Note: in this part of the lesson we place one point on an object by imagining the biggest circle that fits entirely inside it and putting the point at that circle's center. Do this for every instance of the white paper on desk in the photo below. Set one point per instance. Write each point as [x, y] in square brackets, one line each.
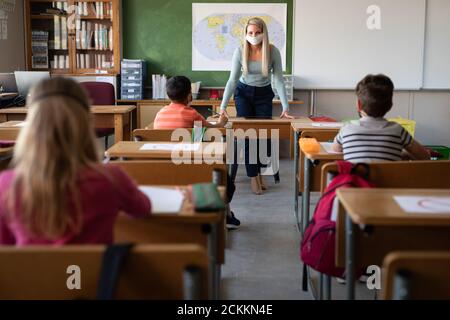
[327, 124]
[164, 200]
[20, 124]
[328, 146]
[170, 147]
[424, 204]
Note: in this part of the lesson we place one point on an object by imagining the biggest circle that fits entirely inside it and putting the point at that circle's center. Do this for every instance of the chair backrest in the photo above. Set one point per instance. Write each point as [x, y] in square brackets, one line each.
[149, 272]
[166, 134]
[148, 172]
[416, 275]
[403, 174]
[101, 93]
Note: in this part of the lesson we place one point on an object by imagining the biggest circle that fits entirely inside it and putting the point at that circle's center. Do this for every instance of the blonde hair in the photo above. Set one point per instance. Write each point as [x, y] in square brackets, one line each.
[265, 46]
[58, 140]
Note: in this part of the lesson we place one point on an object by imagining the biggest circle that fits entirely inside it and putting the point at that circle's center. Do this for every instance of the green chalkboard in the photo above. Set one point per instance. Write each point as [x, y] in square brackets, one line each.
[160, 32]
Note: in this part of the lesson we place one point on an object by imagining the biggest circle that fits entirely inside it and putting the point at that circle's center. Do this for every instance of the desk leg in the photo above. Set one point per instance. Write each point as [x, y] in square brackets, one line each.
[306, 193]
[213, 265]
[234, 166]
[127, 123]
[296, 186]
[118, 128]
[350, 257]
[327, 288]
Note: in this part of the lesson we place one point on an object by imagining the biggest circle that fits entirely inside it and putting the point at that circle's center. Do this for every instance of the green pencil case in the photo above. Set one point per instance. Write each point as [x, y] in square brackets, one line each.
[206, 197]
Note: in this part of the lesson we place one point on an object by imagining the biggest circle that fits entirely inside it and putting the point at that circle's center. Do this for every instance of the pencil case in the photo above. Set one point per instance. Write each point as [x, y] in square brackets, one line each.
[309, 145]
[206, 197]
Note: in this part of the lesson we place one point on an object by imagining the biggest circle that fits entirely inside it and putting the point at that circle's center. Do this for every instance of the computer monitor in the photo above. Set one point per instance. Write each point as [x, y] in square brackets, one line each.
[26, 79]
[8, 83]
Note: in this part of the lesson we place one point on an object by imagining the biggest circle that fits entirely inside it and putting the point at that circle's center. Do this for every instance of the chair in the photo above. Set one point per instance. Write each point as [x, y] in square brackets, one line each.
[149, 172]
[158, 271]
[101, 93]
[412, 275]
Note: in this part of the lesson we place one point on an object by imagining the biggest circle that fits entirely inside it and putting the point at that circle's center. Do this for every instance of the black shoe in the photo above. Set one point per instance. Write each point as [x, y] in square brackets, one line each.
[232, 222]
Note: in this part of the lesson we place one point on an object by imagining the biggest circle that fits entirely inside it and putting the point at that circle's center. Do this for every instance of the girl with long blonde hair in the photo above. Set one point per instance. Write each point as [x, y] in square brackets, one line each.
[57, 191]
[252, 66]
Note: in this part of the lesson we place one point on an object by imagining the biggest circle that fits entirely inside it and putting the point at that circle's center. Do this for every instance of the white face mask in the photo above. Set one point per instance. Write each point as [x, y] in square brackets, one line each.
[254, 40]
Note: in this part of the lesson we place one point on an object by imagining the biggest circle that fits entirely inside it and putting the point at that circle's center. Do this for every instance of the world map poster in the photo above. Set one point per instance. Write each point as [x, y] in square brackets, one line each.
[218, 29]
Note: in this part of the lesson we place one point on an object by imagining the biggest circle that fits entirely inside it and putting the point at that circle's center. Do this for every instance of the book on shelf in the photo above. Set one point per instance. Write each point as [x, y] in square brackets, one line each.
[64, 37]
[39, 49]
[57, 29]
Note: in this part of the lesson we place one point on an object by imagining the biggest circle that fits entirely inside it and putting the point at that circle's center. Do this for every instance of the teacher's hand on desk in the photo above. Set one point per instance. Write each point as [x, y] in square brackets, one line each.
[286, 115]
[223, 112]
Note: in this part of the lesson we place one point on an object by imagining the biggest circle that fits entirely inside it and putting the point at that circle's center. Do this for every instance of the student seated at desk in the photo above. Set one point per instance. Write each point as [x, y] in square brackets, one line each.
[180, 115]
[58, 192]
[374, 138]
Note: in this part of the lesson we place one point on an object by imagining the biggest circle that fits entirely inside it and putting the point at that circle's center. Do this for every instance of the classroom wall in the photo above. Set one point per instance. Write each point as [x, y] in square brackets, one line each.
[12, 50]
[430, 110]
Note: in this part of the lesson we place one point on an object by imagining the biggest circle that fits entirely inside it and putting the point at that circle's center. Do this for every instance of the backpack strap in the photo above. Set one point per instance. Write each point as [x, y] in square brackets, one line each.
[344, 167]
[365, 174]
[112, 262]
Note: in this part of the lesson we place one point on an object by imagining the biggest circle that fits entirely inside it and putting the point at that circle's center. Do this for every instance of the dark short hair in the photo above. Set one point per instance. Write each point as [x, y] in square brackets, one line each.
[375, 93]
[178, 88]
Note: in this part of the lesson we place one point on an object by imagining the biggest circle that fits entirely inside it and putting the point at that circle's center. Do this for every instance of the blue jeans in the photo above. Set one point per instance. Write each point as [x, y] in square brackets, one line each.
[253, 102]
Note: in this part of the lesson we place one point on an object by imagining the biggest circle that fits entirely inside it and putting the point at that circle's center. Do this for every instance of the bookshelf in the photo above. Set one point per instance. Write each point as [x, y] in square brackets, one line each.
[76, 37]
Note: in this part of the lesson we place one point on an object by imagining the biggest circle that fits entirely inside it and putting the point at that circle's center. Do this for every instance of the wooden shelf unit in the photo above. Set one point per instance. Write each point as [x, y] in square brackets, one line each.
[96, 61]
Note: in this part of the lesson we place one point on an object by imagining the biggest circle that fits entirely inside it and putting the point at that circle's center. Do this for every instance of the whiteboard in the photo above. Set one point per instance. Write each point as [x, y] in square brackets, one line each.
[334, 49]
[437, 45]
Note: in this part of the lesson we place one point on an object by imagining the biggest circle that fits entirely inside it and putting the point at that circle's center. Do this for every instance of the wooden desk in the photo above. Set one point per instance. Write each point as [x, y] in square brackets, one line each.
[117, 117]
[131, 149]
[313, 162]
[189, 226]
[374, 225]
[147, 108]
[282, 125]
[297, 129]
[9, 130]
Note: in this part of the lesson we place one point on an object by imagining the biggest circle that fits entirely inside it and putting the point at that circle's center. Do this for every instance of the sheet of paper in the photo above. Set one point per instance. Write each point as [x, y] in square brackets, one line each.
[423, 204]
[20, 124]
[328, 146]
[327, 124]
[170, 147]
[164, 200]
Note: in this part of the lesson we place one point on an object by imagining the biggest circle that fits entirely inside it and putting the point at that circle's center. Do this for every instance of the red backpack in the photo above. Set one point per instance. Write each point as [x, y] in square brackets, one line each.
[318, 245]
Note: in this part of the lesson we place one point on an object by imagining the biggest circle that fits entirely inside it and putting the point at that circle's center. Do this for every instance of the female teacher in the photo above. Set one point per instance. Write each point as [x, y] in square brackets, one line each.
[257, 60]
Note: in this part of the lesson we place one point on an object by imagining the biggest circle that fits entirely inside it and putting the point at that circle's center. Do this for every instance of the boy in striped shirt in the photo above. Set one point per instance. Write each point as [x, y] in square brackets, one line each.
[373, 138]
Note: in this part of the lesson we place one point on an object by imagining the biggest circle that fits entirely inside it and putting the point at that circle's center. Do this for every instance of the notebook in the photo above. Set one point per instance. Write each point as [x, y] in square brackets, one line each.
[164, 200]
[170, 147]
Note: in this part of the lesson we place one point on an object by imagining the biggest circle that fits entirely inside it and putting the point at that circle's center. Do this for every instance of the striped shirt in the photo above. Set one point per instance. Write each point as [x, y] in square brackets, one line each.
[373, 139]
[177, 115]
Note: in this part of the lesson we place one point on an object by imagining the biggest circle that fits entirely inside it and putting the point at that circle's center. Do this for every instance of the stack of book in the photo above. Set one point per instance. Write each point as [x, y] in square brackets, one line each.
[100, 10]
[39, 49]
[94, 61]
[94, 36]
[159, 86]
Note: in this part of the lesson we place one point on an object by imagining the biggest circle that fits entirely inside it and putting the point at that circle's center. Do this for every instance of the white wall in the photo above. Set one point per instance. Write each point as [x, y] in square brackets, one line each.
[430, 110]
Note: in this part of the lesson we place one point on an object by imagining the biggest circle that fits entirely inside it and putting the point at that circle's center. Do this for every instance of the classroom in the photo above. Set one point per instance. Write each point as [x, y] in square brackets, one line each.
[263, 150]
